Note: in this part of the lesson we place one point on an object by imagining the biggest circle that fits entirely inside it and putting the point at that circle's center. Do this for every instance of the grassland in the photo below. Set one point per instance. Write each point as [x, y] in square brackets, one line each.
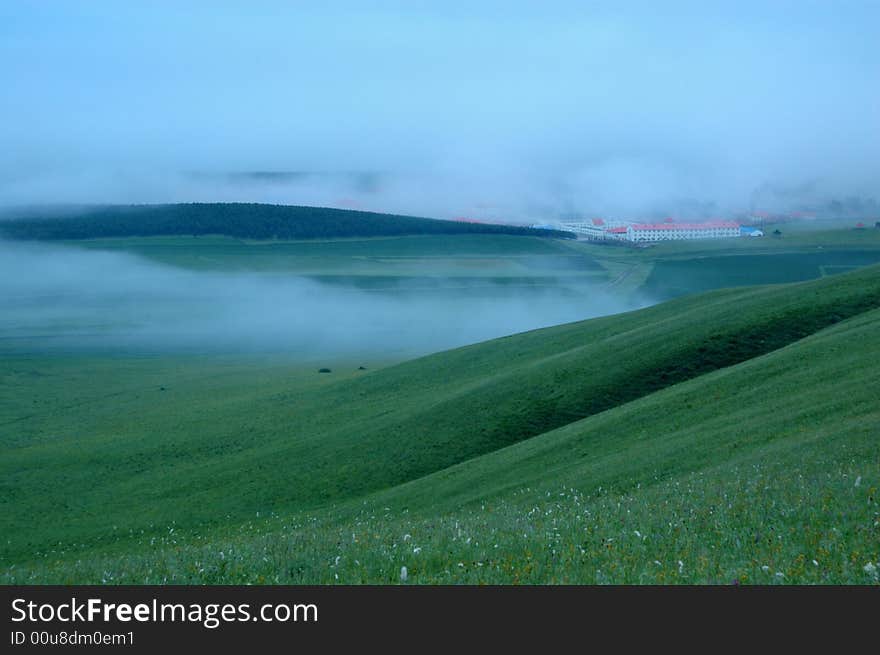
[422, 263]
[431, 262]
[720, 437]
[803, 251]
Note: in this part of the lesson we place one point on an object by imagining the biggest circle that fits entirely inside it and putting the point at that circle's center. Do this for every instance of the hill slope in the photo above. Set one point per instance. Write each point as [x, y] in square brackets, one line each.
[241, 220]
[278, 448]
[766, 472]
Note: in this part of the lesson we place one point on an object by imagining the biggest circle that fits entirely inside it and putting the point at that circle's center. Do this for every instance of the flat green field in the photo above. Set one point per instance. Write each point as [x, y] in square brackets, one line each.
[418, 256]
[674, 277]
[432, 263]
[802, 252]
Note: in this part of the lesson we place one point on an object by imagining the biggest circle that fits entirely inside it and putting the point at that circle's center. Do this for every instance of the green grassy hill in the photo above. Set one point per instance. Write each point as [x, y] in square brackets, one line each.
[730, 427]
[242, 220]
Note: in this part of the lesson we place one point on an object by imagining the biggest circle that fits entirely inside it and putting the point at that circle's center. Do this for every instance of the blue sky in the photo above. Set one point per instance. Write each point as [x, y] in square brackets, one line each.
[521, 108]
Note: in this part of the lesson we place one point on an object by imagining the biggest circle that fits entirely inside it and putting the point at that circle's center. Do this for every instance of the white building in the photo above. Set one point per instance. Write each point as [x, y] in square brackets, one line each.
[594, 228]
[640, 232]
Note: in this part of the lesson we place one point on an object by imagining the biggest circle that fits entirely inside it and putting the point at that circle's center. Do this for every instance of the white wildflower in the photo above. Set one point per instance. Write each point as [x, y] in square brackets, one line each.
[870, 568]
[858, 481]
[403, 574]
[417, 550]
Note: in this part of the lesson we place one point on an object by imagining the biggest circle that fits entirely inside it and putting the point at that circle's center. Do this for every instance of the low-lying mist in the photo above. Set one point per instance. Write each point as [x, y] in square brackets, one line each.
[514, 111]
[59, 296]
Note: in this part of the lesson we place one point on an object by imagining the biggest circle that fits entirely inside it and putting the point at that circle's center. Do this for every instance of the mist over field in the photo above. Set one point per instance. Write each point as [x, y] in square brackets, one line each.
[506, 110]
[80, 298]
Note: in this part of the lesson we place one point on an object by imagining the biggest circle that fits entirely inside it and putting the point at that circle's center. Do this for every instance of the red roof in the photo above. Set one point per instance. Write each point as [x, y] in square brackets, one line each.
[617, 230]
[598, 221]
[708, 225]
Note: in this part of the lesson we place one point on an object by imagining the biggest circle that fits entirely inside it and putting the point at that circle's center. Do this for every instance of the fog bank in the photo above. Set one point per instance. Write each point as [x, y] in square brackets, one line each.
[78, 298]
[497, 110]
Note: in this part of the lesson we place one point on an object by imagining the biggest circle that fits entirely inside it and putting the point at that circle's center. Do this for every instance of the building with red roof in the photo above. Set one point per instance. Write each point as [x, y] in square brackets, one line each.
[670, 231]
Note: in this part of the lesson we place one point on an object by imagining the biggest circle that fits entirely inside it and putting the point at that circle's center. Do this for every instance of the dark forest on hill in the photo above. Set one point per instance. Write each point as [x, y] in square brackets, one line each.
[241, 220]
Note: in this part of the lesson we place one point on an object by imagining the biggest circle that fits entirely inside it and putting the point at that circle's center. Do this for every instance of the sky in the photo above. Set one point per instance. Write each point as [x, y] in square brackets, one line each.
[501, 110]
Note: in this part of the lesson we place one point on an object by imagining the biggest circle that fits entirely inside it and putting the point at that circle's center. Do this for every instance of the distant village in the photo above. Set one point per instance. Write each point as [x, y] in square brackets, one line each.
[672, 229]
[645, 232]
[599, 229]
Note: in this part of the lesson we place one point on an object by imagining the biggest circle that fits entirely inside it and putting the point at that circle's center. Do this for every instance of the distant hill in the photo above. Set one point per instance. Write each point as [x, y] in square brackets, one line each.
[241, 220]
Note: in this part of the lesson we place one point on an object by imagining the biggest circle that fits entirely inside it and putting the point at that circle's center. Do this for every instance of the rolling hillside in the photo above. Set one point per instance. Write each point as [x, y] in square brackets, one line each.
[241, 220]
[723, 423]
